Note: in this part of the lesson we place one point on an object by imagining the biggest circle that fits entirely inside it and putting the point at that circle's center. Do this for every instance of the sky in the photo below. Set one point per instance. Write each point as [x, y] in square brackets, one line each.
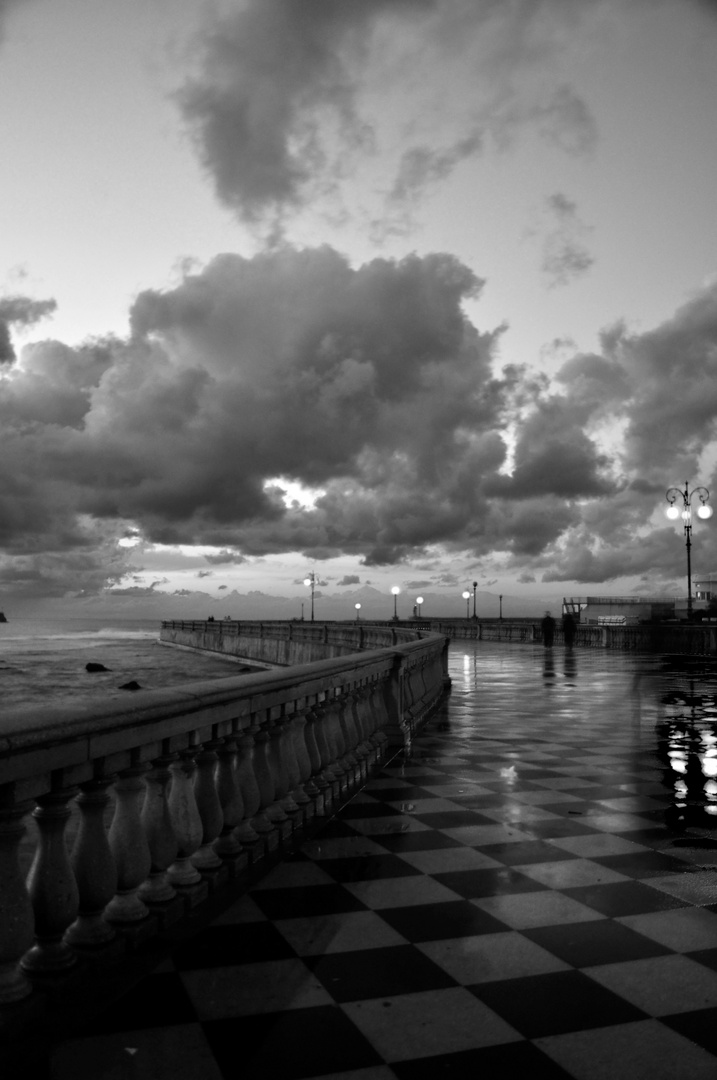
[411, 293]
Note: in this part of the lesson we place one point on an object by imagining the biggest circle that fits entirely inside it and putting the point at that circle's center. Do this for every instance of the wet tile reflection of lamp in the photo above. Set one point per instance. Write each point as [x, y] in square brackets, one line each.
[673, 512]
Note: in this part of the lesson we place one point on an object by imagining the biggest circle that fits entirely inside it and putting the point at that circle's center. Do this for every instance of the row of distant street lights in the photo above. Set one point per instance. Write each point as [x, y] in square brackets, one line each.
[310, 582]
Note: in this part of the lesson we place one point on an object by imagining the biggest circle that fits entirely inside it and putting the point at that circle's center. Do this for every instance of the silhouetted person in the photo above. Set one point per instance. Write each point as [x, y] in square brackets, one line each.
[548, 627]
[569, 629]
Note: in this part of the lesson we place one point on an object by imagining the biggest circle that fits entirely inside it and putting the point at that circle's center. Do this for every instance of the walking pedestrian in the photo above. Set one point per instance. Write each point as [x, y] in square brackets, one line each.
[570, 629]
[548, 627]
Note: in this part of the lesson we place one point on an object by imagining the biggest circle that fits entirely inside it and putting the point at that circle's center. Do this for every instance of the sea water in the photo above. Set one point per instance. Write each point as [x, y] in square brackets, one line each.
[44, 661]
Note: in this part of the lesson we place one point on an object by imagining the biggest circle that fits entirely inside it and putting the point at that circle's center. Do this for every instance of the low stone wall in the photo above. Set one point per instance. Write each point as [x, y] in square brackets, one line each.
[183, 790]
[672, 638]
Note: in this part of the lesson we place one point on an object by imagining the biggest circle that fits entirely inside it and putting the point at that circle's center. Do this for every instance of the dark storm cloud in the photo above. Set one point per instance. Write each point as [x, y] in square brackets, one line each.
[349, 579]
[368, 384]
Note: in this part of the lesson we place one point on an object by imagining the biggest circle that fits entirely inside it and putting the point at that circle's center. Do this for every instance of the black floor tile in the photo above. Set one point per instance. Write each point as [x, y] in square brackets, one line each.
[431, 922]
[527, 851]
[399, 794]
[454, 819]
[225, 946]
[570, 825]
[289, 1045]
[700, 1026]
[399, 969]
[519, 1059]
[556, 1003]
[368, 868]
[643, 864]
[708, 957]
[601, 941]
[310, 900]
[425, 840]
[495, 882]
[367, 809]
[624, 898]
[156, 1001]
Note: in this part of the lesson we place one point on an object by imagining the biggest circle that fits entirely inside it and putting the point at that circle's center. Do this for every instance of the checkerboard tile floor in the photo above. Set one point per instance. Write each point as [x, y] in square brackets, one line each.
[506, 900]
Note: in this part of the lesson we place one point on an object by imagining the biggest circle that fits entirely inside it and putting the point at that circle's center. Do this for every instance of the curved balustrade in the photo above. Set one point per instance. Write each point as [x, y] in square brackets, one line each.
[184, 789]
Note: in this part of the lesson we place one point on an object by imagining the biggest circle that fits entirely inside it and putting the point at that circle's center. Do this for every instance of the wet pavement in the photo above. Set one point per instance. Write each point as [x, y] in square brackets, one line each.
[533, 889]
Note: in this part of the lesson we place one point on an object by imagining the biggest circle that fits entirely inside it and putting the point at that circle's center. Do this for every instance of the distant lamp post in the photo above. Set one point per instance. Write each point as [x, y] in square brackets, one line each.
[684, 510]
[358, 611]
[310, 579]
[395, 590]
[500, 601]
[466, 596]
[419, 601]
[475, 586]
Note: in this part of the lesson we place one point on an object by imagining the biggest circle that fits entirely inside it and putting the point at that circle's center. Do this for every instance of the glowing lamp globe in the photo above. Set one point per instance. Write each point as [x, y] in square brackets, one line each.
[704, 512]
[395, 590]
[466, 595]
[672, 512]
[307, 581]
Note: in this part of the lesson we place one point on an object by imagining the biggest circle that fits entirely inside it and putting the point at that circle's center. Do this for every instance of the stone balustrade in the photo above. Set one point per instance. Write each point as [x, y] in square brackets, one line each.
[141, 809]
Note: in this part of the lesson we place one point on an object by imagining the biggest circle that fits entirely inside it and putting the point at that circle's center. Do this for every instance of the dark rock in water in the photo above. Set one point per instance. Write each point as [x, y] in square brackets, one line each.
[96, 667]
[133, 685]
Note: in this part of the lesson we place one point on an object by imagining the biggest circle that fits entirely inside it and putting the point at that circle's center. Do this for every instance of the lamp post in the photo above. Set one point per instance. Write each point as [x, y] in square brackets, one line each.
[395, 590]
[419, 601]
[673, 512]
[310, 579]
[475, 586]
[358, 611]
[500, 602]
[466, 596]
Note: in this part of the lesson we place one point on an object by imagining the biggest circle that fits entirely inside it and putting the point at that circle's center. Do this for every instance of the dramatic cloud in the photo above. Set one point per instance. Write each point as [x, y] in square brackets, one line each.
[565, 254]
[283, 95]
[19, 311]
[369, 389]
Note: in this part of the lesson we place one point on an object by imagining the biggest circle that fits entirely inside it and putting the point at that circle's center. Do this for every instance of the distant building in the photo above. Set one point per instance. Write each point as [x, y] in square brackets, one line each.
[621, 610]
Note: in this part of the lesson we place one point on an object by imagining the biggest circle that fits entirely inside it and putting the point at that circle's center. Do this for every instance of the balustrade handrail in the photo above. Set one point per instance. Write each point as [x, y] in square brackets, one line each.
[199, 781]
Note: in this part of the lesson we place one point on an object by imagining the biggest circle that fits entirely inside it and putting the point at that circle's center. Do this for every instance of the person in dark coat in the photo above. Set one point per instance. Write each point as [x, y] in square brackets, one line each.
[570, 629]
[548, 627]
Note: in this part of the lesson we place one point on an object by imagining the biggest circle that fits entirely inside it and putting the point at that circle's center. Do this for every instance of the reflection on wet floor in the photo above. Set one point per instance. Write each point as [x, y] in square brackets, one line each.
[527, 892]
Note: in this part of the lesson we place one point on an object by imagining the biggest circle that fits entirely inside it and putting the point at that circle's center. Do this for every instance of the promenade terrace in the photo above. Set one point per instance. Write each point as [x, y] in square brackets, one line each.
[525, 884]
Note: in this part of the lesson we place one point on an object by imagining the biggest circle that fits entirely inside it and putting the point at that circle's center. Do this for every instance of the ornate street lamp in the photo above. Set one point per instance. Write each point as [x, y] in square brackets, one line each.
[500, 602]
[466, 596]
[475, 586]
[673, 512]
[395, 590]
[358, 611]
[310, 579]
[419, 601]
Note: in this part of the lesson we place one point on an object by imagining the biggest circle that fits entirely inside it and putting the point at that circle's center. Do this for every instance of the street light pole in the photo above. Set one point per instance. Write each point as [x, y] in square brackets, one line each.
[500, 601]
[395, 590]
[475, 586]
[466, 597]
[310, 579]
[673, 512]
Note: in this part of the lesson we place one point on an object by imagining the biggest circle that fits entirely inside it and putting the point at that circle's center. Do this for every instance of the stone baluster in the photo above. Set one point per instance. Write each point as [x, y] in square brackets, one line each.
[186, 821]
[327, 747]
[94, 868]
[209, 806]
[229, 793]
[300, 765]
[378, 712]
[251, 796]
[284, 749]
[330, 720]
[129, 847]
[159, 830]
[263, 822]
[363, 749]
[281, 806]
[349, 738]
[316, 786]
[368, 722]
[17, 923]
[52, 887]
